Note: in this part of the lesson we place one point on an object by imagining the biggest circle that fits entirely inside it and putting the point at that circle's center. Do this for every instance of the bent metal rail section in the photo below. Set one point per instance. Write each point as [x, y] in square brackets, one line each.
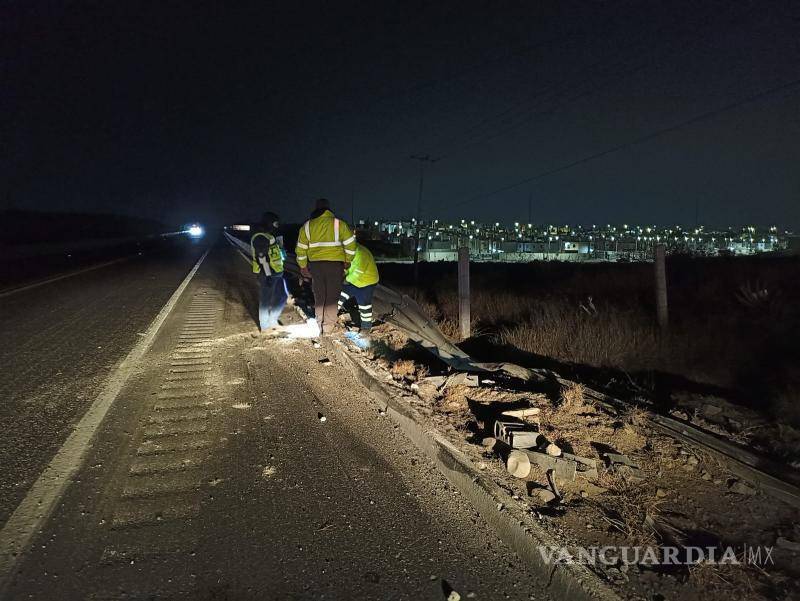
[401, 311]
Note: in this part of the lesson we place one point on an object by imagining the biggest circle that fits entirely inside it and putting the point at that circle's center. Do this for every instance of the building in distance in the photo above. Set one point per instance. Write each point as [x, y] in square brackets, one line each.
[522, 242]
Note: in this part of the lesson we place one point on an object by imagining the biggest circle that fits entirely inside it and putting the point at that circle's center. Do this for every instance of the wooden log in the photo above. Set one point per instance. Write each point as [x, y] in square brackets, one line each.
[520, 462]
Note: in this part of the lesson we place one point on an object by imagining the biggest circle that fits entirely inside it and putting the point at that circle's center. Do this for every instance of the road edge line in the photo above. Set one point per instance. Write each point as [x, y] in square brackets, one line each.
[523, 536]
[35, 509]
[63, 276]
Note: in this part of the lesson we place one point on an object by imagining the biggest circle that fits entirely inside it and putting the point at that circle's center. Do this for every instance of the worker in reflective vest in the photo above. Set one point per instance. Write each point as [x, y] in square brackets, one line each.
[360, 282]
[267, 262]
[325, 248]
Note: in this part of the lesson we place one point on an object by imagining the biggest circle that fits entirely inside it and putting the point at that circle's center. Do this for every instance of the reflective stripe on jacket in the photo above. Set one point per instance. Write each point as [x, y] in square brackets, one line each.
[363, 271]
[273, 257]
[325, 238]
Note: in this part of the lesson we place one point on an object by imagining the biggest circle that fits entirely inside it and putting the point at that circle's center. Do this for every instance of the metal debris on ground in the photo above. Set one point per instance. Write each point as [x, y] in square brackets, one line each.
[544, 495]
[551, 479]
[459, 379]
[740, 487]
[789, 545]
[586, 467]
[623, 465]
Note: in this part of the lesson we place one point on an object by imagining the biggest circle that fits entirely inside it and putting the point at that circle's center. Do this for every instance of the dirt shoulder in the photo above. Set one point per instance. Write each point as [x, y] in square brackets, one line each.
[670, 496]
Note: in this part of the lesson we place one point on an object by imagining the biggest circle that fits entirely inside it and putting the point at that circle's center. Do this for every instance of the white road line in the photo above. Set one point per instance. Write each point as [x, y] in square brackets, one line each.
[63, 276]
[37, 506]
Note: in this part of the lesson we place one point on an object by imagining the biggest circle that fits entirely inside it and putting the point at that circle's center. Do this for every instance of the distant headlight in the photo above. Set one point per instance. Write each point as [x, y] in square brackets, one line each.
[196, 231]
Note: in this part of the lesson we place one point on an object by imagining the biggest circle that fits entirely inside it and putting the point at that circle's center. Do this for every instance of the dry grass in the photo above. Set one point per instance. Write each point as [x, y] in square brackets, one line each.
[404, 368]
[635, 416]
[630, 507]
[722, 582]
[573, 400]
[544, 309]
[574, 422]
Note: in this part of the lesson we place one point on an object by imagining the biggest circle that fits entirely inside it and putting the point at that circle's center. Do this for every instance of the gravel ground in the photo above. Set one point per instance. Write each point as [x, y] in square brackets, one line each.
[273, 501]
[57, 344]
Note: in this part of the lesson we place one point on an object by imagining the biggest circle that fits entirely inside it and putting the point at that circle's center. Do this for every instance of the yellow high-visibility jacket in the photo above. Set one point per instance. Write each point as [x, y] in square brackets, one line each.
[325, 238]
[273, 254]
[362, 271]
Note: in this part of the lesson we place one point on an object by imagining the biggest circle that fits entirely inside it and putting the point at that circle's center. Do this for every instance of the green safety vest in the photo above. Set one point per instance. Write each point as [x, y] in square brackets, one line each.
[363, 271]
[274, 254]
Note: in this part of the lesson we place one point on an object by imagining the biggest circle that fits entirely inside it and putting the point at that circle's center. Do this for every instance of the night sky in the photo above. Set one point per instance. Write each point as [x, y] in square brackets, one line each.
[218, 111]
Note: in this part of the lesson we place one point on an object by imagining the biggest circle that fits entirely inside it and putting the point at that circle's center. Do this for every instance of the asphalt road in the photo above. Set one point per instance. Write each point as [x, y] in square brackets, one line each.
[57, 343]
[215, 476]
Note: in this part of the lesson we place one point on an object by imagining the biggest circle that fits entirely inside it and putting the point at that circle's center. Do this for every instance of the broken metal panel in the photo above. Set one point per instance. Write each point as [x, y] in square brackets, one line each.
[460, 378]
[404, 312]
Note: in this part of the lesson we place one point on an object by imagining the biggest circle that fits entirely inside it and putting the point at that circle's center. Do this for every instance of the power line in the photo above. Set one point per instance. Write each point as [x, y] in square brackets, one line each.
[641, 140]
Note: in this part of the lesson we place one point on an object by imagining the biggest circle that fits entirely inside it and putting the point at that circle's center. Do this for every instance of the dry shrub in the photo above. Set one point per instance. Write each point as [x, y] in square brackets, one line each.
[572, 420]
[393, 338]
[712, 339]
[404, 368]
[454, 401]
[610, 339]
[722, 582]
[630, 507]
[573, 399]
[635, 416]
[450, 328]
[577, 423]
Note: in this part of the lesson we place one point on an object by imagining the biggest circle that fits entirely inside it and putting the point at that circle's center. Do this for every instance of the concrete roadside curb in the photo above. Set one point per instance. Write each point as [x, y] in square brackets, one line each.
[513, 525]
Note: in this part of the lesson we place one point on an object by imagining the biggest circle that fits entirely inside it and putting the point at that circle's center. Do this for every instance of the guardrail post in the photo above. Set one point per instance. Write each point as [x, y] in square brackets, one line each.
[463, 292]
[661, 287]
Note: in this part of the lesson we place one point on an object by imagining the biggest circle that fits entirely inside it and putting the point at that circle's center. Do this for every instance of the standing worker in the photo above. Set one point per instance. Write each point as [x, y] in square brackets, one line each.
[325, 248]
[361, 279]
[267, 259]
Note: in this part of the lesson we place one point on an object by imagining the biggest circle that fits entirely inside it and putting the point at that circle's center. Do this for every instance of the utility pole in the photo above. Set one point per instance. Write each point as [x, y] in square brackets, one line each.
[422, 158]
[353, 206]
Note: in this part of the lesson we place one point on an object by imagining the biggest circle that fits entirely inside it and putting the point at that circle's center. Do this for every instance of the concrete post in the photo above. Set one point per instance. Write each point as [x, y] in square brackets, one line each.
[661, 287]
[463, 292]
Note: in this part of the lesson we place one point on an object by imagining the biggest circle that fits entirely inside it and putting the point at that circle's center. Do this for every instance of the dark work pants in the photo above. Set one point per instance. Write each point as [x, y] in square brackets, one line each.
[272, 297]
[363, 298]
[326, 282]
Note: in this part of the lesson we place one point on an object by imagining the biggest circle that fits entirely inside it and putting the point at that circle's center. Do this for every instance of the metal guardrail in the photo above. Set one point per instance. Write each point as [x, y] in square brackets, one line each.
[404, 313]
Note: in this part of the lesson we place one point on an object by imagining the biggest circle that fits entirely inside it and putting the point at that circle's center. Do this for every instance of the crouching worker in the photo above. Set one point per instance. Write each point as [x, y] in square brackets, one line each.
[361, 278]
[267, 256]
